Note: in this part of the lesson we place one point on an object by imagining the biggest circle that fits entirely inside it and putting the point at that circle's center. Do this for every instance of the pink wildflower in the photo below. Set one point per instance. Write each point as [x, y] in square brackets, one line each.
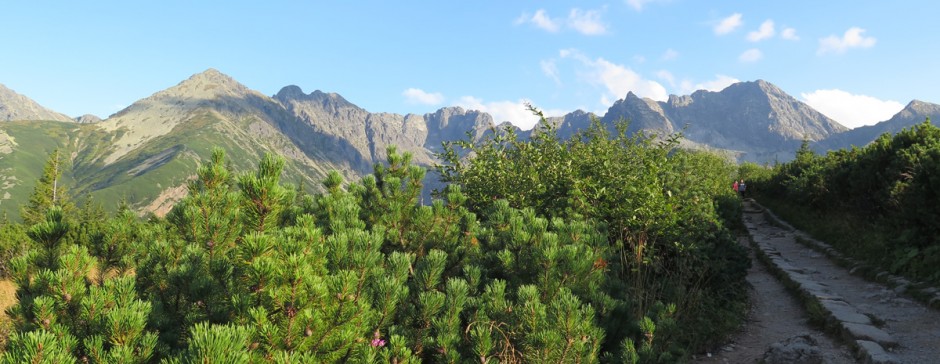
[377, 341]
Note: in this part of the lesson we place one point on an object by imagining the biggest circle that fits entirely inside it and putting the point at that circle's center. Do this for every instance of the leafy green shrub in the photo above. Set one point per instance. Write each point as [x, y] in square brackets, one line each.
[879, 202]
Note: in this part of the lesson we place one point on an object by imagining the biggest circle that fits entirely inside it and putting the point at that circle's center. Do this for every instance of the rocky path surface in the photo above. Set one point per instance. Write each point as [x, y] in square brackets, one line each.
[775, 317]
[866, 322]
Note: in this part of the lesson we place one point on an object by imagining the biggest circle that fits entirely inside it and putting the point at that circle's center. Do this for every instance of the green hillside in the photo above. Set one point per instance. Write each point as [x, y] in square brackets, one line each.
[159, 169]
[30, 144]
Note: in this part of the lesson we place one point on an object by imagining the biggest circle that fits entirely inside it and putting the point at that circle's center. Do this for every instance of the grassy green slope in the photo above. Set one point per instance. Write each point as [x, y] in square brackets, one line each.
[22, 166]
[155, 168]
[171, 160]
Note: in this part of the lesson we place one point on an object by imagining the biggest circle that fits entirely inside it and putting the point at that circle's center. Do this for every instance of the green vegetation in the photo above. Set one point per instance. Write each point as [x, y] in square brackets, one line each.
[597, 249]
[879, 203]
[161, 164]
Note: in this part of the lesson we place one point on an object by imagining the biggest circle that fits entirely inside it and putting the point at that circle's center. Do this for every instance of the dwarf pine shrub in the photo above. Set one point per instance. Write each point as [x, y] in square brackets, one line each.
[247, 270]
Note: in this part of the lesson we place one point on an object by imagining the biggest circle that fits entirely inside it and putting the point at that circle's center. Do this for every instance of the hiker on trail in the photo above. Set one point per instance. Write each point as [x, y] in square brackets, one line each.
[741, 188]
[735, 187]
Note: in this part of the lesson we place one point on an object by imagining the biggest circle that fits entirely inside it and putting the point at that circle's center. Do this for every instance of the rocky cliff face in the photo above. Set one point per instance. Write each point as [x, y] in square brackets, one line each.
[453, 123]
[327, 120]
[14, 106]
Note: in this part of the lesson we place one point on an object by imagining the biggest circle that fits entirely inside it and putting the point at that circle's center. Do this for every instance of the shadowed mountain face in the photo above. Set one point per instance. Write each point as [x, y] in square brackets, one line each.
[149, 151]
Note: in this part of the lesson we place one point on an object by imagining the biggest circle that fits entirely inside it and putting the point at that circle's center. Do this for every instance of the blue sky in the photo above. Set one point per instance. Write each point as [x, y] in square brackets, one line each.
[857, 61]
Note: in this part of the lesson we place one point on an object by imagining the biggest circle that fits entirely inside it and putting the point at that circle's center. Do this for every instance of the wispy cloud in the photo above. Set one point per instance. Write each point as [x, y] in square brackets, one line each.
[541, 20]
[720, 82]
[789, 34]
[616, 79]
[850, 109]
[419, 96]
[638, 4]
[670, 54]
[666, 76]
[751, 55]
[550, 69]
[765, 31]
[587, 22]
[728, 25]
[853, 38]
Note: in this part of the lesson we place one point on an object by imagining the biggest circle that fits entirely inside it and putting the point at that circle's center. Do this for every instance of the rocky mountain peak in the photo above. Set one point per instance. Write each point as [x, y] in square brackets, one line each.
[290, 92]
[14, 106]
[331, 101]
[209, 84]
[87, 119]
[158, 114]
[921, 107]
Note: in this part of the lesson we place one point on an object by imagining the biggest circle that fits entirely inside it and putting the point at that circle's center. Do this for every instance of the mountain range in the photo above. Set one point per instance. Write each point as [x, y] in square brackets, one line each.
[146, 153]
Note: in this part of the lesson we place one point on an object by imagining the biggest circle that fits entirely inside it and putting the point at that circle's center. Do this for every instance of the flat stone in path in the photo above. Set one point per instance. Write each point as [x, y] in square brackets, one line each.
[870, 333]
[874, 353]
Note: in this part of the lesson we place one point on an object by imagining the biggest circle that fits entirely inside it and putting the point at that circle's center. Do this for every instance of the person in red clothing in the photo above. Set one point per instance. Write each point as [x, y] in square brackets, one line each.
[735, 187]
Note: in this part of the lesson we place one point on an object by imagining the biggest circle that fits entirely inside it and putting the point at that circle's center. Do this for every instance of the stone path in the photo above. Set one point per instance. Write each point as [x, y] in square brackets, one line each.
[774, 316]
[882, 325]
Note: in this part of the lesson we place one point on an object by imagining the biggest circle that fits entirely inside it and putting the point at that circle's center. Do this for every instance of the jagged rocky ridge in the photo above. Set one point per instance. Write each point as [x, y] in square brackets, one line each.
[756, 121]
[146, 151]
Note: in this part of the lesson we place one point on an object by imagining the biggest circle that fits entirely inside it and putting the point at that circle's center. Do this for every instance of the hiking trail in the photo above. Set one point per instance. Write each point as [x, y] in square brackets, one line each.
[863, 321]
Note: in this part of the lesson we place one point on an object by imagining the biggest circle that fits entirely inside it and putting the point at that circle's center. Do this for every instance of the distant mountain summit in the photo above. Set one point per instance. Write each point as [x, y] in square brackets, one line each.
[914, 113]
[14, 106]
[755, 120]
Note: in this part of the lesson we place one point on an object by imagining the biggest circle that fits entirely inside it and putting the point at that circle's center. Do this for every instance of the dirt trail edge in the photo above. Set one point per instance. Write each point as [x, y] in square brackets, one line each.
[881, 325]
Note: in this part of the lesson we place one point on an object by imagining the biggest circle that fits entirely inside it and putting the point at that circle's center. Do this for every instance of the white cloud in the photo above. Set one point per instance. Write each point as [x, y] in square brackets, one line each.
[616, 79]
[514, 112]
[849, 109]
[587, 22]
[751, 55]
[852, 38]
[789, 34]
[550, 69]
[765, 31]
[419, 96]
[728, 25]
[670, 54]
[541, 20]
[720, 82]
